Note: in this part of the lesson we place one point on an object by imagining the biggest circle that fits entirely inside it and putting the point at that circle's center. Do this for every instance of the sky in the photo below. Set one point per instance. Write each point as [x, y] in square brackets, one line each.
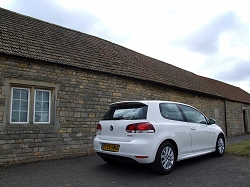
[209, 38]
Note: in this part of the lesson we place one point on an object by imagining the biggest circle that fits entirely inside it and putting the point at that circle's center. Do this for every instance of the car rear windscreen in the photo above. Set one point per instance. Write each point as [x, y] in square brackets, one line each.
[127, 112]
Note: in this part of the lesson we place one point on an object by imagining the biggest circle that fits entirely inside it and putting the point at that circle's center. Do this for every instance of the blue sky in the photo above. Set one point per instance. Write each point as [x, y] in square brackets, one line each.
[208, 38]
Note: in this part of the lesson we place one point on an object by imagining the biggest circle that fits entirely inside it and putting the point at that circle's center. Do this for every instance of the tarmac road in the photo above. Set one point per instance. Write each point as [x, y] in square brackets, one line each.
[92, 171]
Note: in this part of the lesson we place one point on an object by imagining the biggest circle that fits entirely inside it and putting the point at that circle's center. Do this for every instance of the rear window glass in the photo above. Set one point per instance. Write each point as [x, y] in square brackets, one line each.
[128, 112]
[171, 111]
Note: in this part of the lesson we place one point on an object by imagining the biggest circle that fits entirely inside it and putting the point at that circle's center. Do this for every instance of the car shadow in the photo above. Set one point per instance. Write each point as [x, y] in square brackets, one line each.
[127, 168]
[194, 161]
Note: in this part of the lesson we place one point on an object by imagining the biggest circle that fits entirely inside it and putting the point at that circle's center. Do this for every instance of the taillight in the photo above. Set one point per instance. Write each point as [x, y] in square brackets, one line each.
[140, 128]
[99, 127]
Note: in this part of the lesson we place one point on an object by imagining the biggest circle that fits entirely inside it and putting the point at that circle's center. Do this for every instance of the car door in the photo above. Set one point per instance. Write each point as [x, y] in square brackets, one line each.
[177, 127]
[202, 133]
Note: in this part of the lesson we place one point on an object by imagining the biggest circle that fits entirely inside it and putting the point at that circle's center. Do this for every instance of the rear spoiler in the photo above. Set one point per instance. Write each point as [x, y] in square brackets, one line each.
[124, 103]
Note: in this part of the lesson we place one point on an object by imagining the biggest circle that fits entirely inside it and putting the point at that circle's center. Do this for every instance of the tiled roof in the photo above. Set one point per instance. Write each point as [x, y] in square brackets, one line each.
[24, 36]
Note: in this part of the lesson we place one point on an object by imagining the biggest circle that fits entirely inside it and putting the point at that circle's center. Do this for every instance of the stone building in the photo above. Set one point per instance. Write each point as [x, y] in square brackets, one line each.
[56, 84]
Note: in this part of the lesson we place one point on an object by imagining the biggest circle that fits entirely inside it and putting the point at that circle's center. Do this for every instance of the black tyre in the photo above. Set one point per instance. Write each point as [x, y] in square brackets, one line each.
[165, 159]
[110, 161]
[220, 146]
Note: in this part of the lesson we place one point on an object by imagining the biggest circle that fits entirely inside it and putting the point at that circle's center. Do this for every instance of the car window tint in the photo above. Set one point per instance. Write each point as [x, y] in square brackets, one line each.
[170, 111]
[193, 115]
[126, 112]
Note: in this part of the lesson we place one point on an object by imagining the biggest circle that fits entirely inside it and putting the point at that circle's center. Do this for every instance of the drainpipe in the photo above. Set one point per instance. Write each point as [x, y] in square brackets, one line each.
[225, 111]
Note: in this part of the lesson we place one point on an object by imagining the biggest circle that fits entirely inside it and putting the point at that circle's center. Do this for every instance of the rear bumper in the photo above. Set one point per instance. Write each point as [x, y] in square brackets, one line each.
[138, 150]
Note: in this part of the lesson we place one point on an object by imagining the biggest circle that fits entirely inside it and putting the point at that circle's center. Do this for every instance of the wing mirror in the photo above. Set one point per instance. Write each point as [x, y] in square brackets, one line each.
[212, 121]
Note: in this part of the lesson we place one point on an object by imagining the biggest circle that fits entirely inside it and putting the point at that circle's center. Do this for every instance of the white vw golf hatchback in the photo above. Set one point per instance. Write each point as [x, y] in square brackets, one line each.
[157, 133]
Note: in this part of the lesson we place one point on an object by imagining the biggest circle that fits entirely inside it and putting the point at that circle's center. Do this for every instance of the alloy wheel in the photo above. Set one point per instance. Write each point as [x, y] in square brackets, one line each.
[167, 157]
[221, 145]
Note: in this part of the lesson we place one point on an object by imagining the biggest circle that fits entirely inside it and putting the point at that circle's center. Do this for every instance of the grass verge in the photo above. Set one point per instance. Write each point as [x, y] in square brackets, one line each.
[239, 149]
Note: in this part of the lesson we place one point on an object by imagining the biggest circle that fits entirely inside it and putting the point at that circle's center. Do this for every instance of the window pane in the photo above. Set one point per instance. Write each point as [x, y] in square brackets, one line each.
[127, 112]
[193, 115]
[45, 106]
[16, 93]
[23, 116]
[24, 105]
[38, 117]
[24, 94]
[45, 116]
[15, 104]
[170, 111]
[38, 95]
[38, 106]
[15, 116]
[45, 96]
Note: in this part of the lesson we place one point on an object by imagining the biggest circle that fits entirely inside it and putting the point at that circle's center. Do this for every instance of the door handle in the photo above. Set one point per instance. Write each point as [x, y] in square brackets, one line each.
[192, 128]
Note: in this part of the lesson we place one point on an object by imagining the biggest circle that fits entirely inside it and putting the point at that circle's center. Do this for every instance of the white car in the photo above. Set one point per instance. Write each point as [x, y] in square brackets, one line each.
[157, 133]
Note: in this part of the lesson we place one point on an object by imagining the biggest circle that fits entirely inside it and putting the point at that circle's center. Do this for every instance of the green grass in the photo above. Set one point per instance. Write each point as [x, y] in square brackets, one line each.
[239, 149]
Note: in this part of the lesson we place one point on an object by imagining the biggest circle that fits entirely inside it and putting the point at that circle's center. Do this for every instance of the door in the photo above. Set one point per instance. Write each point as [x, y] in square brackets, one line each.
[203, 137]
[245, 121]
[202, 134]
[179, 127]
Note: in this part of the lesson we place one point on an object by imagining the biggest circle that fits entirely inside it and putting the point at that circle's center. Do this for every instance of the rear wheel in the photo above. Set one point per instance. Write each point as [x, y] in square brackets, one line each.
[165, 159]
[220, 146]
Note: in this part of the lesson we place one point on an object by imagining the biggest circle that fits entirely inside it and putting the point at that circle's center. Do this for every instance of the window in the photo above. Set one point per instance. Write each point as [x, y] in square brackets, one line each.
[170, 111]
[193, 115]
[30, 105]
[42, 106]
[20, 105]
[128, 112]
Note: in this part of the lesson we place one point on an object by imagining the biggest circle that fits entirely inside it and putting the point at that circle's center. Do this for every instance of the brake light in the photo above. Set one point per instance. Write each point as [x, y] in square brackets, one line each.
[99, 127]
[145, 127]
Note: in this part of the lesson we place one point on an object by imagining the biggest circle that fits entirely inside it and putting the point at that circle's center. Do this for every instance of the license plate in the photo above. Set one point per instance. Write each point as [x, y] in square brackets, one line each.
[110, 147]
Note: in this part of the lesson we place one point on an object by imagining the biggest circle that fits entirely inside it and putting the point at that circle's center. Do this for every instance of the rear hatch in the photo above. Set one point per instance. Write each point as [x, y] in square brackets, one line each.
[119, 116]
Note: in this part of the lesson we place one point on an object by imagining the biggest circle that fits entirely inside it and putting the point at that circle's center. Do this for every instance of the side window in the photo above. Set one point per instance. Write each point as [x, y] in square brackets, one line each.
[170, 111]
[193, 115]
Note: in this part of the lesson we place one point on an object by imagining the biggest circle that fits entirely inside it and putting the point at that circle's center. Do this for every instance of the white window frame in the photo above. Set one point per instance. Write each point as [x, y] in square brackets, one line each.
[28, 109]
[31, 110]
[34, 109]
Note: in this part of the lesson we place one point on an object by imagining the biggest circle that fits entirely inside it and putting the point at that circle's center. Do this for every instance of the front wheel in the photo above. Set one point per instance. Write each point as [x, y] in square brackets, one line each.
[165, 159]
[220, 146]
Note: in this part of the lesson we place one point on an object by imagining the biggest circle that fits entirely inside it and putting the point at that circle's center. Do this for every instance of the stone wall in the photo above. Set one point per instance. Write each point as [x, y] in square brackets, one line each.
[79, 100]
[235, 122]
